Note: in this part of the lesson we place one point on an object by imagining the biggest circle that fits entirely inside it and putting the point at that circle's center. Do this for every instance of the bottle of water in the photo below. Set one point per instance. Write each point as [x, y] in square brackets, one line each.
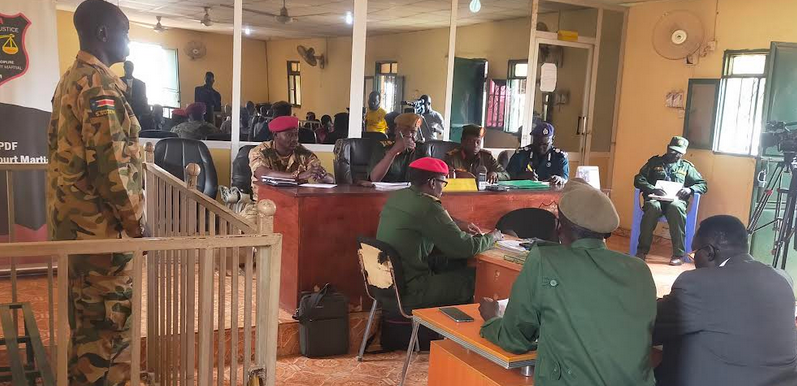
[481, 177]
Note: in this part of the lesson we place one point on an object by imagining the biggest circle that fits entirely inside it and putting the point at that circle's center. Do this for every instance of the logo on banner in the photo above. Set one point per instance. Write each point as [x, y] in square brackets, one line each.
[13, 55]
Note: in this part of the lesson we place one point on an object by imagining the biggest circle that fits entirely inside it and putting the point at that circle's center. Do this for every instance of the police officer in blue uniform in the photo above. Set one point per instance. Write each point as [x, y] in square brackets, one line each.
[540, 161]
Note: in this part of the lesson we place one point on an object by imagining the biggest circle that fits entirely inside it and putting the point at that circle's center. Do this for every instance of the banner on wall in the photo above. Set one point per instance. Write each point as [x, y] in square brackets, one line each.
[28, 77]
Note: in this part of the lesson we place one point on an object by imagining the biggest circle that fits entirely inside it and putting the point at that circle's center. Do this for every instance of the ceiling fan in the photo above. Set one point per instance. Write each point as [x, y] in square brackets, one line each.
[283, 17]
[206, 20]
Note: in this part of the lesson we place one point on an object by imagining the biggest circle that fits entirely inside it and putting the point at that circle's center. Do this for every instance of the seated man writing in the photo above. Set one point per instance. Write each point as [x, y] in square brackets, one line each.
[283, 157]
[731, 320]
[390, 159]
[468, 158]
[589, 311]
[668, 167]
[414, 222]
[540, 161]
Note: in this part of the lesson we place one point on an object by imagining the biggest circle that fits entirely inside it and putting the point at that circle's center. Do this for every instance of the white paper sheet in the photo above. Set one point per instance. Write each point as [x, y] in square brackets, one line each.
[670, 187]
[318, 186]
[391, 185]
[502, 307]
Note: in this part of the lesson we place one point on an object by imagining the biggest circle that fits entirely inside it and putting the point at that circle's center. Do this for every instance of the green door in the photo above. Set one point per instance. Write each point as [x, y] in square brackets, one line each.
[780, 104]
[468, 94]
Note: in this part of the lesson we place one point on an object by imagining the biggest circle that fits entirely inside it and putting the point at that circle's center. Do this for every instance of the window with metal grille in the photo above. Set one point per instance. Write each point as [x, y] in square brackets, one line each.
[741, 104]
[516, 96]
[294, 83]
[389, 85]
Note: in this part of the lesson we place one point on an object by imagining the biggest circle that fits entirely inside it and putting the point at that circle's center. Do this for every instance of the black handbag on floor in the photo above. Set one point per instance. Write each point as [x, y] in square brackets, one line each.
[323, 323]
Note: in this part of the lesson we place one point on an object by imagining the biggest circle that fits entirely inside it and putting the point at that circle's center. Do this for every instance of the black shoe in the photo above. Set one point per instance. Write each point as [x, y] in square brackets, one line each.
[643, 256]
[676, 261]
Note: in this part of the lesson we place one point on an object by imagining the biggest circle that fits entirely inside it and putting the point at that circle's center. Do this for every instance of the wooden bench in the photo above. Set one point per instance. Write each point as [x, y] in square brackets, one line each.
[37, 364]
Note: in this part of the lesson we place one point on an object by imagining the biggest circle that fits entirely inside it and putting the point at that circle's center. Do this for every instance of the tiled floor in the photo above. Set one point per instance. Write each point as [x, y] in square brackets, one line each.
[380, 369]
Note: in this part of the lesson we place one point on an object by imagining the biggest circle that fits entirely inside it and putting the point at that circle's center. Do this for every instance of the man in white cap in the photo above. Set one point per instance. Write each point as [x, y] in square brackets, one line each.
[588, 311]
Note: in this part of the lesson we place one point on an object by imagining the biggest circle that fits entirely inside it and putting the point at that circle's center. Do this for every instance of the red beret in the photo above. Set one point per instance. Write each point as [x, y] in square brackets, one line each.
[280, 124]
[430, 164]
[196, 108]
[179, 113]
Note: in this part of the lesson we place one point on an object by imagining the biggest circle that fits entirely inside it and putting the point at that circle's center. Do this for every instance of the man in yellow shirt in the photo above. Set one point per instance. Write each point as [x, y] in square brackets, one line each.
[375, 117]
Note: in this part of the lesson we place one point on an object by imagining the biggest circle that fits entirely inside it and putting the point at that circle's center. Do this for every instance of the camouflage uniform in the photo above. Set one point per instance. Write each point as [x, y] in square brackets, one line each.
[265, 155]
[198, 130]
[95, 192]
[457, 160]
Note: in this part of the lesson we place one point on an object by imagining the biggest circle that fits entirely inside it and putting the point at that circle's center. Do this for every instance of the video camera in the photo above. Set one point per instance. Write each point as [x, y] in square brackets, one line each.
[778, 134]
[417, 106]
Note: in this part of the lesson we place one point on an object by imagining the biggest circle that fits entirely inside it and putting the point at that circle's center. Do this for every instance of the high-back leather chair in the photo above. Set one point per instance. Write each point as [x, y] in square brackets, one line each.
[375, 135]
[352, 156]
[241, 173]
[156, 134]
[174, 154]
[435, 149]
[306, 135]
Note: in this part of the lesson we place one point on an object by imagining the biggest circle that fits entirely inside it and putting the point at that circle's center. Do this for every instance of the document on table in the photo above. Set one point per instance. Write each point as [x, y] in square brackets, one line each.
[670, 187]
[502, 307]
[391, 185]
[318, 186]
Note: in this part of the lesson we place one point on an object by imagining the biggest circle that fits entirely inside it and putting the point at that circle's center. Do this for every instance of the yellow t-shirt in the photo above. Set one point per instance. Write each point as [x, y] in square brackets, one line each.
[375, 120]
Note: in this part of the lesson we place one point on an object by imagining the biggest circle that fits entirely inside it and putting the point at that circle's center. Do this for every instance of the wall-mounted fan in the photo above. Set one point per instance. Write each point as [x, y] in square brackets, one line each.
[195, 50]
[309, 56]
[678, 35]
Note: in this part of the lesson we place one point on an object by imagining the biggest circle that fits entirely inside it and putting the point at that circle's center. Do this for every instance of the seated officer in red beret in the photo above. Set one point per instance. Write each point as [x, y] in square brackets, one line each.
[414, 222]
[284, 157]
[196, 127]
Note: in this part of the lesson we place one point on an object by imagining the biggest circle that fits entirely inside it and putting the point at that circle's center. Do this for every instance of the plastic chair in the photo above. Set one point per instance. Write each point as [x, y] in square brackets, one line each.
[691, 221]
[380, 266]
[529, 222]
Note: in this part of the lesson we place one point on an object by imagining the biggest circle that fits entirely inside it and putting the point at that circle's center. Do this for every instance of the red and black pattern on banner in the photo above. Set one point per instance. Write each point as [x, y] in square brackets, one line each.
[13, 53]
[28, 138]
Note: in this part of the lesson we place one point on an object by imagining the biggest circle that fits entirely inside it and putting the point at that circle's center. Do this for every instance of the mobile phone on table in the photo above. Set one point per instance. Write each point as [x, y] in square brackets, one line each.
[456, 314]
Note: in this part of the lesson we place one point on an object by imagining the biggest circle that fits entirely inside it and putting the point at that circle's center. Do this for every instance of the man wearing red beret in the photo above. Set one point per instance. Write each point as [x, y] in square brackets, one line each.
[284, 157]
[414, 222]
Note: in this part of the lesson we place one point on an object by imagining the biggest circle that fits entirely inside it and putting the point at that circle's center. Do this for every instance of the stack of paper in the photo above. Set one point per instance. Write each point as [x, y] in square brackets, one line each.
[512, 246]
[318, 186]
[670, 187]
[386, 186]
[276, 181]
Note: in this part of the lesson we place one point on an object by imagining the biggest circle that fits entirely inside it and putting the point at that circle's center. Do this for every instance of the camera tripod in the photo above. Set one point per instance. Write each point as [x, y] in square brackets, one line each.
[784, 219]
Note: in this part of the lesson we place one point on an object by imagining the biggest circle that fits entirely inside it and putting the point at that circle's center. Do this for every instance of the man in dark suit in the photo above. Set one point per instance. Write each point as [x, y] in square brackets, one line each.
[730, 321]
[136, 92]
[210, 97]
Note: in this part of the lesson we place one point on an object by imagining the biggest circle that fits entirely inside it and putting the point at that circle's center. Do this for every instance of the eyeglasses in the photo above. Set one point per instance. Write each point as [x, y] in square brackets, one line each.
[441, 181]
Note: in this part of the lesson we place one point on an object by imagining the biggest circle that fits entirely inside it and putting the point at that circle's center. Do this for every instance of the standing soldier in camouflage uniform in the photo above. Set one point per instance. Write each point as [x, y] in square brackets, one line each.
[95, 192]
[469, 157]
[668, 167]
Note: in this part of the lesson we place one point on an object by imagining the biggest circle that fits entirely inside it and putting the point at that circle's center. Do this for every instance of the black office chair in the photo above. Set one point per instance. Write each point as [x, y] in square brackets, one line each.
[435, 149]
[380, 265]
[219, 137]
[241, 173]
[174, 154]
[306, 136]
[156, 134]
[529, 222]
[352, 156]
[505, 156]
[375, 135]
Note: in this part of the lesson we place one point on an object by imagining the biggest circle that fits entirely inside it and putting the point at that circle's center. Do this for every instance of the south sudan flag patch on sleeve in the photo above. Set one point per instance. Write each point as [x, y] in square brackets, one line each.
[103, 105]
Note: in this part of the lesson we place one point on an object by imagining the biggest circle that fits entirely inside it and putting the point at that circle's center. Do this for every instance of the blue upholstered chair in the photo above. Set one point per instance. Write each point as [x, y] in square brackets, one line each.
[691, 221]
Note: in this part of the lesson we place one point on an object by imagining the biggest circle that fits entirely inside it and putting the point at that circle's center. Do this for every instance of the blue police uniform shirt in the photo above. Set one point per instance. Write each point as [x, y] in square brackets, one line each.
[553, 163]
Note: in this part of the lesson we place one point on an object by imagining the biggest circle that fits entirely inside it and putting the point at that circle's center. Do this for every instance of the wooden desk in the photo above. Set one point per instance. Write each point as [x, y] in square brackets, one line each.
[453, 365]
[320, 227]
[495, 275]
[467, 336]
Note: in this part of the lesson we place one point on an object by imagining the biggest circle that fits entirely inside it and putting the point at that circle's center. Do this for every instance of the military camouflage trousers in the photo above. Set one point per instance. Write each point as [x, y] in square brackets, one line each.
[101, 299]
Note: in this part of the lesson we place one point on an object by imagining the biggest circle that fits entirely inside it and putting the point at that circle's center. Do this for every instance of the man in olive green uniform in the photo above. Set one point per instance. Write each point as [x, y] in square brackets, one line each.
[669, 167]
[283, 157]
[95, 192]
[469, 157]
[414, 222]
[588, 311]
[390, 160]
